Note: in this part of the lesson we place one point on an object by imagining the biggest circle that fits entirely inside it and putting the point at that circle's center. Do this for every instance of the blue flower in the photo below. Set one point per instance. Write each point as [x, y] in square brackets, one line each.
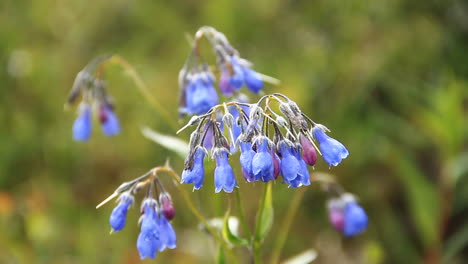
[167, 234]
[332, 150]
[195, 173]
[148, 241]
[246, 157]
[83, 124]
[225, 84]
[200, 95]
[224, 175]
[289, 165]
[109, 122]
[355, 219]
[303, 169]
[237, 78]
[262, 162]
[119, 214]
[253, 80]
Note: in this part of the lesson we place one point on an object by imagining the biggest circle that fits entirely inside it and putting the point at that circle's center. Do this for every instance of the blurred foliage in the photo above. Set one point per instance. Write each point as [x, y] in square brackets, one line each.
[390, 78]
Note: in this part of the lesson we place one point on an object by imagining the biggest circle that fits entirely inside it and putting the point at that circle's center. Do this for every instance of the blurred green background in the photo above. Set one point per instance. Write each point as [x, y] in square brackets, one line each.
[390, 78]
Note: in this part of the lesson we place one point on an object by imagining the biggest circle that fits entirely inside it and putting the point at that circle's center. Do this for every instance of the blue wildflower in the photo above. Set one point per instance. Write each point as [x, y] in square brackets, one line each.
[148, 241]
[83, 124]
[109, 122]
[194, 172]
[262, 162]
[252, 79]
[200, 95]
[237, 78]
[355, 219]
[119, 214]
[303, 169]
[224, 175]
[224, 83]
[289, 165]
[246, 157]
[167, 235]
[332, 150]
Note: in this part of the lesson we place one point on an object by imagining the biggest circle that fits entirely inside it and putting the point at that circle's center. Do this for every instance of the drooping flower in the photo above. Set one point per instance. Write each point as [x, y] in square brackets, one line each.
[200, 94]
[194, 171]
[224, 83]
[224, 178]
[347, 216]
[83, 124]
[246, 158]
[262, 162]
[119, 214]
[109, 122]
[303, 169]
[252, 79]
[237, 77]
[335, 214]
[148, 241]
[333, 151]
[289, 165]
[167, 234]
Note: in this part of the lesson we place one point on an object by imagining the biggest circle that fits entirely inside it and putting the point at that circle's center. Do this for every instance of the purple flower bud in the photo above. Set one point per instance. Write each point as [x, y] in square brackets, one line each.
[224, 83]
[167, 206]
[308, 151]
[276, 165]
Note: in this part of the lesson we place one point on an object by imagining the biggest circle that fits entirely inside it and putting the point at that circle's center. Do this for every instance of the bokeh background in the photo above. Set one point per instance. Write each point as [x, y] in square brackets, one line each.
[390, 78]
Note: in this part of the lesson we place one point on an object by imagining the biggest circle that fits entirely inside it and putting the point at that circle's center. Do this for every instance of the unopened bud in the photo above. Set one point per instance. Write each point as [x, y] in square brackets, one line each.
[308, 151]
[167, 206]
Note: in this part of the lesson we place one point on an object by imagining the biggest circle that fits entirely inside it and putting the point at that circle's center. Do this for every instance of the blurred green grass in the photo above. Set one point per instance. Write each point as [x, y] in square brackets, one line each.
[390, 78]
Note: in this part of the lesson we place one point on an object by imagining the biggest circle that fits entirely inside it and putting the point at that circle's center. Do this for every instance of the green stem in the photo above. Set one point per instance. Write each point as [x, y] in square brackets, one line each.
[144, 90]
[241, 215]
[286, 225]
[197, 214]
[256, 242]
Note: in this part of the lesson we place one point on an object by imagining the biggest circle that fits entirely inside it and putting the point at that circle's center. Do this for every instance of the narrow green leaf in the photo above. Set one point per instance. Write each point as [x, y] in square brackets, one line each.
[171, 143]
[265, 216]
[228, 235]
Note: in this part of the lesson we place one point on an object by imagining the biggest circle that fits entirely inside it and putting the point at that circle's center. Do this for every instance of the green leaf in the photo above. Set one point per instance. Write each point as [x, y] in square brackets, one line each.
[229, 236]
[221, 259]
[265, 215]
[174, 144]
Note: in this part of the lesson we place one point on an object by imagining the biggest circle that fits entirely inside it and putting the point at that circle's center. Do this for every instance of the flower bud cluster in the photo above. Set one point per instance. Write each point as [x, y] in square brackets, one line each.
[270, 143]
[156, 233]
[91, 93]
[197, 81]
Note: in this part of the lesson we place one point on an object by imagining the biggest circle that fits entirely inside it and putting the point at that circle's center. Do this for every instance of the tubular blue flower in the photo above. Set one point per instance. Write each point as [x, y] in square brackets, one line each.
[119, 214]
[195, 173]
[246, 157]
[237, 78]
[200, 95]
[355, 219]
[289, 165]
[148, 241]
[262, 162]
[167, 234]
[252, 79]
[333, 151]
[109, 122]
[83, 124]
[303, 169]
[224, 175]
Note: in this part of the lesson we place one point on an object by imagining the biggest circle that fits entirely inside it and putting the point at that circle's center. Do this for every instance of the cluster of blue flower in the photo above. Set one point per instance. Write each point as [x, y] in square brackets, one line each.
[92, 91]
[288, 153]
[346, 216]
[156, 233]
[197, 82]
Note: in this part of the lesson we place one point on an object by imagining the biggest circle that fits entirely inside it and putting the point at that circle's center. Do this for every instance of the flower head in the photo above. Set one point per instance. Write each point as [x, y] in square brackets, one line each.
[83, 124]
[148, 241]
[119, 214]
[194, 171]
[224, 175]
[200, 94]
[332, 150]
[262, 162]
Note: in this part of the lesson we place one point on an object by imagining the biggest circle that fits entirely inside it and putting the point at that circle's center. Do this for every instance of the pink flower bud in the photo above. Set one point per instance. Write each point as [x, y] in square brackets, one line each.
[308, 151]
[167, 207]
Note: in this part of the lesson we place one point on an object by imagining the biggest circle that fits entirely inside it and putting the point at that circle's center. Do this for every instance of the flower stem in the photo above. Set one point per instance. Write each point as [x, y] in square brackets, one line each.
[144, 89]
[256, 241]
[241, 215]
[286, 225]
